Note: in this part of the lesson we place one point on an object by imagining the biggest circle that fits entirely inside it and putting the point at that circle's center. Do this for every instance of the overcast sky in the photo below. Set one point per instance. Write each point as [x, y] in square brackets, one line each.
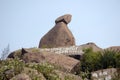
[24, 22]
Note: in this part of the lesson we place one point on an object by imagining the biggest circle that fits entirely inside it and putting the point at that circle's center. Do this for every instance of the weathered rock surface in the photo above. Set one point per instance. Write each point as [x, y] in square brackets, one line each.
[21, 76]
[33, 73]
[105, 74]
[65, 18]
[114, 48]
[90, 45]
[67, 76]
[59, 35]
[65, 63]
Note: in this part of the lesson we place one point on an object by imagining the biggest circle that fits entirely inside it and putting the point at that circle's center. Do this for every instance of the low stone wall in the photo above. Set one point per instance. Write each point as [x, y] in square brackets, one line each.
[105, 74]
[72, 50]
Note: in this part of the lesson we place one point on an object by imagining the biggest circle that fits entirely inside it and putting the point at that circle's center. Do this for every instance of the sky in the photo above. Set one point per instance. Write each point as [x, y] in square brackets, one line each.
[24, 22]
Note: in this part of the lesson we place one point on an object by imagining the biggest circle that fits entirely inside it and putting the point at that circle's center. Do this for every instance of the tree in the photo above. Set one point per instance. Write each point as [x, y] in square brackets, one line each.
[5, 52]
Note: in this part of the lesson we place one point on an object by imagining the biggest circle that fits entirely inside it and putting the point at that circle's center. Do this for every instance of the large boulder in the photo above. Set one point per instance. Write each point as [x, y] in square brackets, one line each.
[59, 35]
[65, 63]
[106, 74]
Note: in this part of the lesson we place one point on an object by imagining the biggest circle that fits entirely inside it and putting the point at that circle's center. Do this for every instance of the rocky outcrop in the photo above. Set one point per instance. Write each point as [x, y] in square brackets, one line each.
[90, 45]
[72, 51]
[33, 73]
[65, 63]
[37, 55]
[114, 48]
[59, 35]
[21, 76]
[105, 74]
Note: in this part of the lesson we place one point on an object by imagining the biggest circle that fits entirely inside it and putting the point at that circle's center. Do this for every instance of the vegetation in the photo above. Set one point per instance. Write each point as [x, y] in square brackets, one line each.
[5, 52]
[92, 61]
[9, 68]
[46, 69]
[108, 59]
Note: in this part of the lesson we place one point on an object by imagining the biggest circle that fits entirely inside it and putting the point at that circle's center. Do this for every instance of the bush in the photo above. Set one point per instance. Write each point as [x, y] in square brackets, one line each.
[10, 68]
[117, 59]
[47, 70]
[108, 59]
[91, 60]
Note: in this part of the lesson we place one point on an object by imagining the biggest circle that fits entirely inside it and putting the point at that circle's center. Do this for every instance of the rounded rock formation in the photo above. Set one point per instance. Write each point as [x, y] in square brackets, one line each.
[65, 18]
[59, 35]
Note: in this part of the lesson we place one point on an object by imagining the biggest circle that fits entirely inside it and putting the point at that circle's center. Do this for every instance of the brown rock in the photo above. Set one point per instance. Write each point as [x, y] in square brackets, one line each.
[65, 63]
[114, 48]
[58, 36]
[67, 76]
[65, 18]
[91, 45]
[19, 53]
[104, 74]
[9, 73]
[21, 76]
[33, 73]
[15, 54]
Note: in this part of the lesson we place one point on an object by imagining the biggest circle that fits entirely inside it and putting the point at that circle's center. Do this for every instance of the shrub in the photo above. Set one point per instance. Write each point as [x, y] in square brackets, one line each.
[47, 70]
[108, 59]
[91, 60]
[117, 59]
[10, 68]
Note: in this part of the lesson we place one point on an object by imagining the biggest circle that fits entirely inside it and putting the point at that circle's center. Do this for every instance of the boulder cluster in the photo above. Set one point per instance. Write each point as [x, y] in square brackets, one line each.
[56, 58]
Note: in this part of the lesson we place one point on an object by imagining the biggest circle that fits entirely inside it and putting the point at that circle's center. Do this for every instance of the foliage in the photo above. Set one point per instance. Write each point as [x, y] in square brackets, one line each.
[108, 59]
[69, 77]
[35, 50]
[91, 60]
[10, 68]
[117, 60]
[17, 54]
[47, 70]
[84, 75]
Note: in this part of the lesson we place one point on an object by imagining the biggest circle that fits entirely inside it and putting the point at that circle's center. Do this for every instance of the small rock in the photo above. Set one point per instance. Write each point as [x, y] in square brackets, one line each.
[65, 18]
[21, 76]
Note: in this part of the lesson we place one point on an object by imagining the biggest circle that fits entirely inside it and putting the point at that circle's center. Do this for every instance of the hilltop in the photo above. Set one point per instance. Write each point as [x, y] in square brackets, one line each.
[59, 58]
